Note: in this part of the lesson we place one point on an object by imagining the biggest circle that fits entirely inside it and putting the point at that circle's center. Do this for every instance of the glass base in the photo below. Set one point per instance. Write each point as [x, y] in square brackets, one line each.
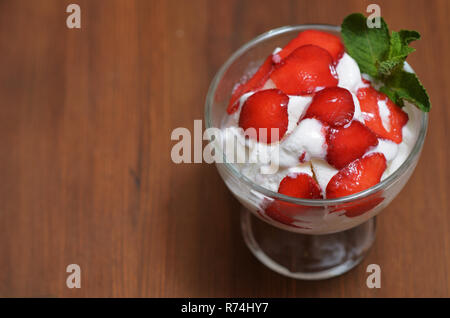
[304, 256]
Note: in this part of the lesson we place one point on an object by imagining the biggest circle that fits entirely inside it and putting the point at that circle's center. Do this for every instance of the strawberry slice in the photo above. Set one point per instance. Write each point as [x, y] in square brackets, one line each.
[346, 144]
[304, 71]
[357, 176]
[255, 82]
[325, 40]
[373, 104]
[360, 206]
[332, 105]
[265, 109]
[278, 215]
[300, 185]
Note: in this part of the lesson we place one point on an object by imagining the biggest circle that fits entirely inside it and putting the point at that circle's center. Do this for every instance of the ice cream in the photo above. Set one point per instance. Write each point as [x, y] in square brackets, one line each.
[307, 137]
[337, 135]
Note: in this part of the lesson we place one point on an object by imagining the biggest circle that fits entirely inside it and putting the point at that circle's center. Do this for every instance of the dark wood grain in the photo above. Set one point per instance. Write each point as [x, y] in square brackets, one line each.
[85, 169]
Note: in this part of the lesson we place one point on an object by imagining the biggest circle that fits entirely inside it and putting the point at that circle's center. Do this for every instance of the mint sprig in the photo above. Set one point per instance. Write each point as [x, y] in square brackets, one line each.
[402, 85]
[398, 50]
[367, 46]
[381, 55]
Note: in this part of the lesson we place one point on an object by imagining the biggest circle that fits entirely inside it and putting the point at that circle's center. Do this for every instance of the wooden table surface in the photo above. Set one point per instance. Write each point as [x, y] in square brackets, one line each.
[85, 170]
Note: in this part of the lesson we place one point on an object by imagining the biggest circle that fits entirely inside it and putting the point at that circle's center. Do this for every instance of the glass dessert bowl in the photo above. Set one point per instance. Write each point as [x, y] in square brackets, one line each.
[301, 238]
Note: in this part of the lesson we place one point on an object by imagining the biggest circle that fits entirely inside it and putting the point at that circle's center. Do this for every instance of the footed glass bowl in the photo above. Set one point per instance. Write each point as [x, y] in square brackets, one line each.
[301, 238]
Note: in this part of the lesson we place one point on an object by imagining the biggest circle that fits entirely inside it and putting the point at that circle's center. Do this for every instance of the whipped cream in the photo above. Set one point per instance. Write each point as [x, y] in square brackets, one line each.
[348, 73]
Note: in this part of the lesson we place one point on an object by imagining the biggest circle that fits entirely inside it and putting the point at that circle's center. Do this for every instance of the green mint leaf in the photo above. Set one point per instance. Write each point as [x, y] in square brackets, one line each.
[368, 46]
[386, 67]
[402, 85]
[407, 36]
[382, 56]
[398, 50]
[392, 95]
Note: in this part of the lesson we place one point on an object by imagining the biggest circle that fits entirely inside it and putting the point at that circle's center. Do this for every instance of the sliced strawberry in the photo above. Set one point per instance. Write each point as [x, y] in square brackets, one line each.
[255, 82]
[357, 176]
[304, 71]
[302, 157]
[369, 101]
[325, 40]
[276, 214]
[346, 144]
[300, 185]
[360, 206]
[367, 82]
[332, 105]
[265, 109]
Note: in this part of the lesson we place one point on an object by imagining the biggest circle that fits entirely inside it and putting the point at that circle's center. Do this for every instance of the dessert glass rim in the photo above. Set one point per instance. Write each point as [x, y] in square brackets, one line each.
[310, 202]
